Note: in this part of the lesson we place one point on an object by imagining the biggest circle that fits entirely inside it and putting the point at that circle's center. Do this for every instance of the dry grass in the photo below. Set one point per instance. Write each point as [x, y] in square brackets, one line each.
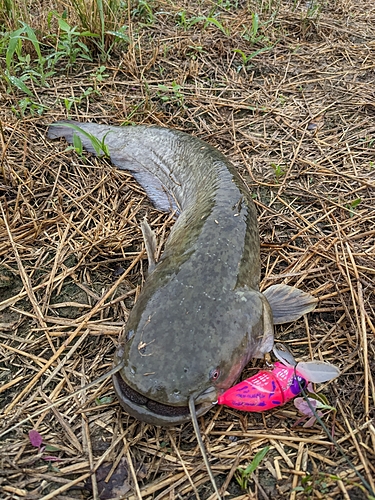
[299, 123]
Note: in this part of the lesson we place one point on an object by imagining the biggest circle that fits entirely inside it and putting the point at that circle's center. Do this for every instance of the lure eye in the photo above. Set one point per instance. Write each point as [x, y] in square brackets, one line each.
[302, 382]
[214, 374]
[296, 384]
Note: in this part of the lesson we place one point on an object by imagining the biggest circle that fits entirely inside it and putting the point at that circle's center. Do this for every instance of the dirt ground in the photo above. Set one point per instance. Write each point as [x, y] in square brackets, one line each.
[292, 104]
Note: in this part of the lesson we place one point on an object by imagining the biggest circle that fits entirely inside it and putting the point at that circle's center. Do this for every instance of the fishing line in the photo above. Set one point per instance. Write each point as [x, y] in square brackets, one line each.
[332, 439]
[201, 445]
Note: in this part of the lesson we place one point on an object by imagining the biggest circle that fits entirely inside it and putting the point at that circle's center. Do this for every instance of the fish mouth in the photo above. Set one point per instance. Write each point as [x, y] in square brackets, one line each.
[153, 412]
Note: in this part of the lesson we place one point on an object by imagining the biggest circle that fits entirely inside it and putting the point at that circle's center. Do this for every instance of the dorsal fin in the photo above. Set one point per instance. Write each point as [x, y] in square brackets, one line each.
[150, 244]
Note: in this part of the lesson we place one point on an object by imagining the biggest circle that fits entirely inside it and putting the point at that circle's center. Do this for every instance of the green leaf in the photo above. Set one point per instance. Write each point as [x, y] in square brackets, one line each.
[195, 20]
[99, 146]
[215, 22]
[242, 54]
[17, 82]
[299, 488]
[255, 24]
[14, 40]
[257, 52]
[88, 33]
[103, 401]
[33, 39]
[321, 398]
[118, 34]
[256, 461]
[63, 25]
[49, 447]
[77, 143]
[355, 203]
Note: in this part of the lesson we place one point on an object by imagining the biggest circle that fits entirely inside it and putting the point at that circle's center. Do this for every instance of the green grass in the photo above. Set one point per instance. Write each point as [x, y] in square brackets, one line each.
[36, 48]
[279, 170]
[100, 147]
[32, 53]
[171, 94]
[352, 206]
[243, 476]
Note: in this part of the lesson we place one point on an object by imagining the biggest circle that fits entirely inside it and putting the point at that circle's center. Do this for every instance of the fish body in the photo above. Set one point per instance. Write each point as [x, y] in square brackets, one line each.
[200, 316]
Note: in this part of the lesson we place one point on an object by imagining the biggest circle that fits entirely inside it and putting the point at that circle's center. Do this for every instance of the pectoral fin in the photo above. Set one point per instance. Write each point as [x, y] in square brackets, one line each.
[150, 244]
[288, 303]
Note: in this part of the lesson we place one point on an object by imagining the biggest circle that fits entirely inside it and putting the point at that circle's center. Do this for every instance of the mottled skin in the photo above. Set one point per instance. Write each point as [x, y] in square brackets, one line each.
[200, 316]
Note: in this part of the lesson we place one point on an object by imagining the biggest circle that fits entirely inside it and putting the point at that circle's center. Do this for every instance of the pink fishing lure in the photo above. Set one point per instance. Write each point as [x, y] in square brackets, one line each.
[265, 390]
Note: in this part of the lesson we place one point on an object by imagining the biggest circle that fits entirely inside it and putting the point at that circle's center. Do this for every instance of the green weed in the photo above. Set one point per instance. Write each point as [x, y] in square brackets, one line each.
[310, 16]
[314, 9]
[268, 6]
[102, 17]
[69, 41]
[187, 23]
[352, 206]
[318, 482]
[120, 37]
[194, 50]
[18, 60]
[279, 170]
[100, 147]
[103, 400]
[28, 105]
[254, 32]
[171, 94]
[144, 12]
[19, 83]
[30, 62]
[228, 4]
[215, 22]
[137, 108]
[243, 476]
[7, 9]
[22, 66]
[246, 59]
[99, 74]
[11, 11]
[251, 34]
[69, 101]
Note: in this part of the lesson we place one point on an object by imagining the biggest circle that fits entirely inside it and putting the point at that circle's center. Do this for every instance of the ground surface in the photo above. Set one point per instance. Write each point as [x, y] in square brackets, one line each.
[290, 100]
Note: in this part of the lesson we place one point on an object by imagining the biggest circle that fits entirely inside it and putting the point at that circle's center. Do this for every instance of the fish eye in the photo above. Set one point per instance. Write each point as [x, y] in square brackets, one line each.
[214, 374]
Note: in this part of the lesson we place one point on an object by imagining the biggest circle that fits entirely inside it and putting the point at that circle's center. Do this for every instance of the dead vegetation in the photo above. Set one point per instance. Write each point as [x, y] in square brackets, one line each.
[297, 118]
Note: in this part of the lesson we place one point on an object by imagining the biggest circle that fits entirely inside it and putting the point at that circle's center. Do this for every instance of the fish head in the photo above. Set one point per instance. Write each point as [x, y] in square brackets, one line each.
[170, 356]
